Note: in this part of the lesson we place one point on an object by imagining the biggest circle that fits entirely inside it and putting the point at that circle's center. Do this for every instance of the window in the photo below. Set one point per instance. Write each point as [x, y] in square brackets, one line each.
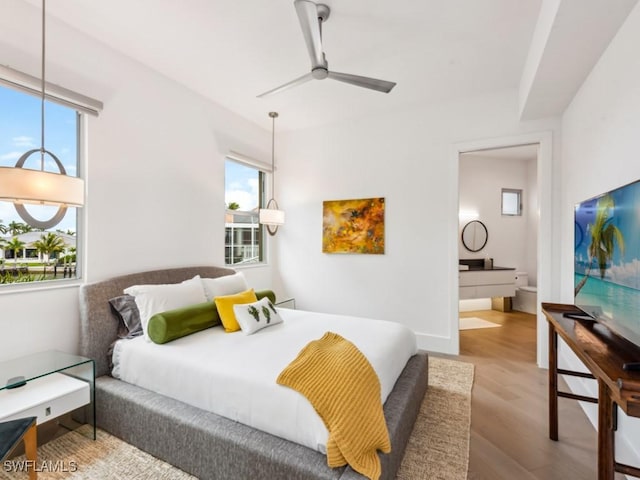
[243, 196]
[27, 254]
[511, 201]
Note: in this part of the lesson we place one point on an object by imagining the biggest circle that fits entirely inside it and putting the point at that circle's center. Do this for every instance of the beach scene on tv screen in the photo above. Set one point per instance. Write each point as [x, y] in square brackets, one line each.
[607, 252]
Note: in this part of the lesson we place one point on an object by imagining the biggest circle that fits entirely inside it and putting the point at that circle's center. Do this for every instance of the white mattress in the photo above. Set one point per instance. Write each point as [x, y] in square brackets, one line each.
[234, 375]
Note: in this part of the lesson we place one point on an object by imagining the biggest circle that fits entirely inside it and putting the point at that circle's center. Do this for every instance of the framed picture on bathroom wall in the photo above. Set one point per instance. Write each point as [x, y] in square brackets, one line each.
[353, 226]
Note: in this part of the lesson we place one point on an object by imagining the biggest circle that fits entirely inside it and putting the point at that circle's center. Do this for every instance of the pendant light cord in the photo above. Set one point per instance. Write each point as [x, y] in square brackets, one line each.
[43, 92]
[273, 116]
[273, 156]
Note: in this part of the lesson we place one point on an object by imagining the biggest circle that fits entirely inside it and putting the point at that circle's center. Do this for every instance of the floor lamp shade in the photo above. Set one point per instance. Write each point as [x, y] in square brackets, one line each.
[23, 185]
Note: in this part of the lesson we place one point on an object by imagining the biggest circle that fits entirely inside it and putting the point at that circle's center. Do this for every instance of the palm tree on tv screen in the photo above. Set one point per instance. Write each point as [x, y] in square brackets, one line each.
[604, 237]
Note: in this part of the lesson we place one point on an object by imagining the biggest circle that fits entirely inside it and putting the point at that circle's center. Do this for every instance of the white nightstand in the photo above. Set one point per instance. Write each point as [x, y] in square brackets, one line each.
[54, 383]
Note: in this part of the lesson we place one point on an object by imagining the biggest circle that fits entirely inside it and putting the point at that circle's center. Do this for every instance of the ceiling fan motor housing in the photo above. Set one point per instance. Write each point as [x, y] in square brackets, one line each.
[320, 73]
[323, 11]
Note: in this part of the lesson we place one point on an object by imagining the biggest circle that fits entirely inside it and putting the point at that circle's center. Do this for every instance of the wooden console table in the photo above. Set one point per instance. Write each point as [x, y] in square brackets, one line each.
[603, 353]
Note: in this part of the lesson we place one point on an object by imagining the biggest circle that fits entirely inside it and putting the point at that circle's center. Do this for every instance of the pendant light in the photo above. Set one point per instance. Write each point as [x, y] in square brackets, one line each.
[272, 216]
[23, 185]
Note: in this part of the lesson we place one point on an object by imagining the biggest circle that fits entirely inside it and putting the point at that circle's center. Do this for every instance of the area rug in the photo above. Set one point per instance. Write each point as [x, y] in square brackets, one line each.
[470, 323]
[438, 447]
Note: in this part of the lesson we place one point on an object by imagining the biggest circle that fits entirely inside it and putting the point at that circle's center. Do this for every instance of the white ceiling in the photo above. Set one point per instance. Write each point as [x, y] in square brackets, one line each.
[232, 50]
[570, 37]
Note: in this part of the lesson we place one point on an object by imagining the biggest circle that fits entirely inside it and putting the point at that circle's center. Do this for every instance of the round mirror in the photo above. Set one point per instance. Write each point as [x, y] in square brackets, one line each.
[474, 236]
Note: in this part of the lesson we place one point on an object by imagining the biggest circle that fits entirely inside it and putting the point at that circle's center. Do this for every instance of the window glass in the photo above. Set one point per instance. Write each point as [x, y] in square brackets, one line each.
[28, 254]
[244, 196]
[511, 202]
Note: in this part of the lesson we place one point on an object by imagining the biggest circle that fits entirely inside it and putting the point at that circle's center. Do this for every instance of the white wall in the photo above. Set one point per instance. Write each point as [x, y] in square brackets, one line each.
[600, 152]
[482, 179]
[155, 173]
[531, 205]
[406, 158]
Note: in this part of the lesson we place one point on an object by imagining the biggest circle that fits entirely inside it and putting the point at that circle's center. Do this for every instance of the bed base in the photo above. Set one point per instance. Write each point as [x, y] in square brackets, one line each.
[205, 444]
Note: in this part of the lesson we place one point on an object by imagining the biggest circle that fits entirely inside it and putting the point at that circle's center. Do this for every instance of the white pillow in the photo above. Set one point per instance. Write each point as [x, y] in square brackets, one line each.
[227, 285]
[152, 299]
[256, 316]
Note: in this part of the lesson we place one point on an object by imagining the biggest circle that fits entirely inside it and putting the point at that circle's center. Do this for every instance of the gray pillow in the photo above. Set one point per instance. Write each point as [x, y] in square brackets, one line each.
[125, 308]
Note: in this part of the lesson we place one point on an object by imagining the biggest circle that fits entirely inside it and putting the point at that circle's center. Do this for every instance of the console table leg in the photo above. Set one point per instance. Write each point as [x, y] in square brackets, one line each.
[553, 383]
[606, 448]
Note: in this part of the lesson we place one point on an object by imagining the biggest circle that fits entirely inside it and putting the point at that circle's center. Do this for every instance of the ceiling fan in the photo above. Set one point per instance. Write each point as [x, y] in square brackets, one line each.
[311, 16]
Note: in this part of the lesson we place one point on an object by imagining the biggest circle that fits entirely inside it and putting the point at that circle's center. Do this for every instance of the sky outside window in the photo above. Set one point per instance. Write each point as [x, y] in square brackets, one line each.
[241, 185]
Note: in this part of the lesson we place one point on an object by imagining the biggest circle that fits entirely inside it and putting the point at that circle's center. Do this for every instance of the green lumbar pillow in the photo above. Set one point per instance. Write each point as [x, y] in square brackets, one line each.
[260, 294]
[167, 326]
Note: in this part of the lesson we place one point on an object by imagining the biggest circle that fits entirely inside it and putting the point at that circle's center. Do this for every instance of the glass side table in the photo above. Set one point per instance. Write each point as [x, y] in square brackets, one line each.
[287, 303]
[47, 385]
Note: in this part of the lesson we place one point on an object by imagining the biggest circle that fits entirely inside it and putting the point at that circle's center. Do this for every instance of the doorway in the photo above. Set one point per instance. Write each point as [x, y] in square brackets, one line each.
[521, 163]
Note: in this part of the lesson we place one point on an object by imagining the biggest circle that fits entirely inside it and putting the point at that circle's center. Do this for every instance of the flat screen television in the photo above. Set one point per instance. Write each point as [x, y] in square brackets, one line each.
[607, 260]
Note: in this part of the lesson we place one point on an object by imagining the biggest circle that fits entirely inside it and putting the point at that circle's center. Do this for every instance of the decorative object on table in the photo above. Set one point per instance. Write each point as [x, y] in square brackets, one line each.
[24, 185]
[16, 382]
[353, 226]
[272, 216]
[311, 16]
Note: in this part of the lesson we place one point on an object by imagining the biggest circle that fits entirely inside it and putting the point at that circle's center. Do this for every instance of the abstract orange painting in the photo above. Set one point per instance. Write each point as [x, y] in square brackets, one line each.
[353, 226]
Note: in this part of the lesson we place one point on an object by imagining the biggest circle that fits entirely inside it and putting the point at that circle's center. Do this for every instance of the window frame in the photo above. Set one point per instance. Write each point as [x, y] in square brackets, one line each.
[80, 140]
[516, 191]
[263, 171]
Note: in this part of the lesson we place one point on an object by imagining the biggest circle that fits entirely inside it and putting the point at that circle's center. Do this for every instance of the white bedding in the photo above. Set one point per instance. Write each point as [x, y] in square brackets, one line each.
[234, 375]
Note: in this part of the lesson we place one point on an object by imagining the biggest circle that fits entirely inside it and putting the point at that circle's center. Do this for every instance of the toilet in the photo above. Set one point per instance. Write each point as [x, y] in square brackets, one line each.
[526, 299]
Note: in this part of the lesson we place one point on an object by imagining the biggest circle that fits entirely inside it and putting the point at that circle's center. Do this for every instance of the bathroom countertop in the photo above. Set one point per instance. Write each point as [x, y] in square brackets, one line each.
[478, 265]
[478, 269]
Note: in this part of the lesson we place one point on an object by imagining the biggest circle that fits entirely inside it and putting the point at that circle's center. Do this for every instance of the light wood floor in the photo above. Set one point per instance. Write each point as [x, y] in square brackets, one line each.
[509, 430]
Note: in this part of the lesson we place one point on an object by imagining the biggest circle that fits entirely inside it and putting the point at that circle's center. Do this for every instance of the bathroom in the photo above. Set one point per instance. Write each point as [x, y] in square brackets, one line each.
[499, 195]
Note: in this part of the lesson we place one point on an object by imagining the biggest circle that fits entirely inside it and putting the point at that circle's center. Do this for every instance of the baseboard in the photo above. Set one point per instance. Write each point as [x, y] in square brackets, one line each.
[436, 343]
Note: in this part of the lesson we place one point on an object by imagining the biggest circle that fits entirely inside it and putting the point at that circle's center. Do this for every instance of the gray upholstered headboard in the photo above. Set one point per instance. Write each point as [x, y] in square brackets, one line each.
[98, 325]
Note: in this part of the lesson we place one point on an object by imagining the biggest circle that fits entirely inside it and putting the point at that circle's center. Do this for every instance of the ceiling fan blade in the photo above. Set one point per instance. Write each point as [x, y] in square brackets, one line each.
[300, 80]
[308, 15]
[366, 82]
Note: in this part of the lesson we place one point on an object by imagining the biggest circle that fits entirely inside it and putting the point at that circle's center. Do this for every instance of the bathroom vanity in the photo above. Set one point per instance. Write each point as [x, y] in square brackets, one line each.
[478, 281]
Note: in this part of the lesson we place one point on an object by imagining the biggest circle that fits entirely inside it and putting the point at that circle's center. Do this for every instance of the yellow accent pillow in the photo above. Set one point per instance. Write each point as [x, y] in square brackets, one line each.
[225, 305]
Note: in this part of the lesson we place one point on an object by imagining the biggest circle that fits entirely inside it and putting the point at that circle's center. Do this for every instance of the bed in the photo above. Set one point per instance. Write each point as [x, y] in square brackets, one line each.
[204, 444]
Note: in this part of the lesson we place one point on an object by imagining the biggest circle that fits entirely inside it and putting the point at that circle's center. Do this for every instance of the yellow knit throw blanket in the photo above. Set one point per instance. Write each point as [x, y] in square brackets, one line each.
[344, 389]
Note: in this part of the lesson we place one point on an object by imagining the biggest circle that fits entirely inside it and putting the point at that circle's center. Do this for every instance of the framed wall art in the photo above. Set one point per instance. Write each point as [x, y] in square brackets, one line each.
[353, 226]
